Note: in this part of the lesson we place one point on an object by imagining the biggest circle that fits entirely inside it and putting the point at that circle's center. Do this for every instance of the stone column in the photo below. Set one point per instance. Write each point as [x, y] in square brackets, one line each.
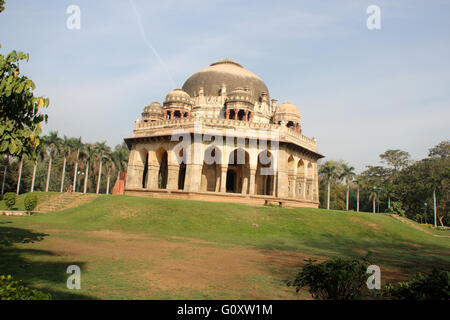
[292, 181]
[223, 179]
[152, 175]
[236, 111]
[193, 177]
[252, 181]
[134, 176]
[172, 113]
[246, 115]
[172, 176]
[227, 114]
[282, 184]
[165, 114]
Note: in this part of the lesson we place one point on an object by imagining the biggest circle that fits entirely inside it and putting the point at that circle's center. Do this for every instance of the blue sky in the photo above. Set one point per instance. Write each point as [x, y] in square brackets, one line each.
[359, 91]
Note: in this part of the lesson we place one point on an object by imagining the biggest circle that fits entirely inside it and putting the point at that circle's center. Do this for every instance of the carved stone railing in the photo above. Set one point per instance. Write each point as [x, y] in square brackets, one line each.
[142, 129]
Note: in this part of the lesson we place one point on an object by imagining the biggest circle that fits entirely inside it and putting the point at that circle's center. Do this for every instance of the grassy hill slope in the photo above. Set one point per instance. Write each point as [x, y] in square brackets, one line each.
[196, 233]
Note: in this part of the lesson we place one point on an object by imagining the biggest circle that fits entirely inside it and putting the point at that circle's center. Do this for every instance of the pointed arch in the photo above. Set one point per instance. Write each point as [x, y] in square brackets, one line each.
[264, 178]
[238, 172]
[162, 157]
[211, 169]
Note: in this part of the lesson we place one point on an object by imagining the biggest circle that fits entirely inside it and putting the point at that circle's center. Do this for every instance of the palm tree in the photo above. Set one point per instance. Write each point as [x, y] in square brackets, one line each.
[120, 158]
[329, 171]
[109, 166]
[76, 145]
[347, 174]
[101, 150]
[20, 175]
[52, 143]
[65, 149]
[7, 164]
[357, 182]
[374, 197]
[40, 155]
[89, 153]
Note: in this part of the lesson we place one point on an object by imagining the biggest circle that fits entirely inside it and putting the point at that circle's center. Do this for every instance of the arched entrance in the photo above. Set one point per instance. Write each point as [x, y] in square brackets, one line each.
[238, 162]
[231, 181]
[182, 169]
[300, 179]
[144, 157]
[161, 155]
[264, 174]
[211, 169]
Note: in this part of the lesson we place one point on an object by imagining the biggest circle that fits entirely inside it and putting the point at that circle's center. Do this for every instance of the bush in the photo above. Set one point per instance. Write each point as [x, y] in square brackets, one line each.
[435, 286]
[30, 201]
[396, 208]
[14, 290]
[336, 279]
[10, 199]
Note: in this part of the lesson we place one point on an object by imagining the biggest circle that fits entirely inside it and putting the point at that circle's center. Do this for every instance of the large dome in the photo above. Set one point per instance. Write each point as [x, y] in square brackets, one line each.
[228, 72]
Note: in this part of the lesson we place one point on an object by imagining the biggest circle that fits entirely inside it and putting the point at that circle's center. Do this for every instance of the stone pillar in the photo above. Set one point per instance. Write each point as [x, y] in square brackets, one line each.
[251, 117]
[227, 114]
[236, 111]
[172, 113]
[252, 181]
[165, 114]
[223, 179]
[152, 175]
[282, 184]
[134, 176]
[172, 176]
[246, 115]
[292, 181]
[193, 177]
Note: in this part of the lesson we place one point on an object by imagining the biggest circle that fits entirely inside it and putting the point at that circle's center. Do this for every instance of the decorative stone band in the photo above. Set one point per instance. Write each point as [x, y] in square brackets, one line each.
[164, 127]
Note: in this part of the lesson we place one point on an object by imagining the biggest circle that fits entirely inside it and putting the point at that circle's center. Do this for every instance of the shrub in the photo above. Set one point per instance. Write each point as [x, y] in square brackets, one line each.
[336, 279]
[30, 201]
[396, 208]
[435, 286]
[10, 199]
[15, 290]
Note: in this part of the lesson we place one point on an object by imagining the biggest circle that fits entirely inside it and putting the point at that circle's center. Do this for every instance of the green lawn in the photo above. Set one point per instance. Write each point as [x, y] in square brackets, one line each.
[132, 247]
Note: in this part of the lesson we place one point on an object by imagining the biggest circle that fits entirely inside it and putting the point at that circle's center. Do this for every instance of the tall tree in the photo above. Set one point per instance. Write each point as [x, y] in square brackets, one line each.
[20, 117]
[102, 150]
[52, 145]
[347, 173]
[65, 149]
[329, 171]
[397, 159]
[442, 150]
[78, 146]
[89, 153]
[20, 175]
[374, 197]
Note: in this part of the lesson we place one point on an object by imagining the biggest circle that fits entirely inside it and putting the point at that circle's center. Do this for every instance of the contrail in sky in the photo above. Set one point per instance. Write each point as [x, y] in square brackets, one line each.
[147, 42]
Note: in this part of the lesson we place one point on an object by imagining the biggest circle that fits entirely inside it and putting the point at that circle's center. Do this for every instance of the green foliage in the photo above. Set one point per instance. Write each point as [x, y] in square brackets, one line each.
[336, 279]
[10, 199]
[30, 201]
[396, 208]
[2, 5]
[397, 159]
[15, 290]
[434, 286]
[20, 119]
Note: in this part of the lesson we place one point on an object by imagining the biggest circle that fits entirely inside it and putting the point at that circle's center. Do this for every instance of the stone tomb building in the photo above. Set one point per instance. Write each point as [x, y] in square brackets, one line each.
[221, 138]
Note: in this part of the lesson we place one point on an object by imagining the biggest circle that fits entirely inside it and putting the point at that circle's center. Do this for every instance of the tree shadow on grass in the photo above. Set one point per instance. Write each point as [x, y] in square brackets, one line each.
[41, 269]
[396, 254]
